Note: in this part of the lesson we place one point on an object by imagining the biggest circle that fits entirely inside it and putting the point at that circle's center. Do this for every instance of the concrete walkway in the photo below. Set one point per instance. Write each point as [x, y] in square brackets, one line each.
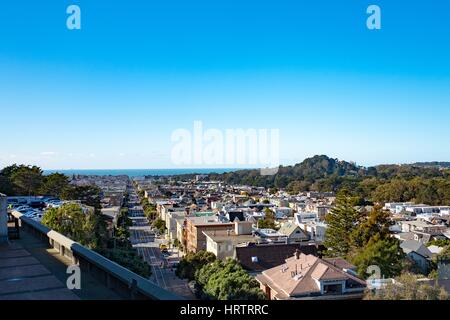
[29, 270]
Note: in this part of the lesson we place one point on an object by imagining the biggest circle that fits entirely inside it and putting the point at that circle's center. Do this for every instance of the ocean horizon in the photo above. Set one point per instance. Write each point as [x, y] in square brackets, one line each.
[139, 172]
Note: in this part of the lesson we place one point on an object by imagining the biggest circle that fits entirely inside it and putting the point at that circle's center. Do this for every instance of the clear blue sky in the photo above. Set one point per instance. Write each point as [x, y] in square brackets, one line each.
[110, 95]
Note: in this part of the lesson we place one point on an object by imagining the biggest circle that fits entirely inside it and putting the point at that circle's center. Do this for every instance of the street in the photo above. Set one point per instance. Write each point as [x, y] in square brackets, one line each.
[147, 245]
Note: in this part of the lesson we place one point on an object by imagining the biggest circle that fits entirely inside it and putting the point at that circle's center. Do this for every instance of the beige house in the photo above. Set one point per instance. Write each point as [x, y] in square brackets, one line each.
[293, 232]
[309, 277]
[223, 242]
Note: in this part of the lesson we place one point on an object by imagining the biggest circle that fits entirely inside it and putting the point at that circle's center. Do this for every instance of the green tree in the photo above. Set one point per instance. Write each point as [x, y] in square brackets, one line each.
[54, 184]
[269, 220]
[376, 223]
[342, 221]
[384, 253]
[82, 225]
[88, 195]
[407, 287]
[6, 184]
[227, 281]
[27, 180]
[192, 262]
[160, 225]
[439, 242]
[127, 258]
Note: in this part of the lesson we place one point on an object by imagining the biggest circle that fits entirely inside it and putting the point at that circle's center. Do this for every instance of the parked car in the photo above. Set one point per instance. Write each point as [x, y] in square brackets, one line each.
[54, 204]
[23, 209]
[37, 204]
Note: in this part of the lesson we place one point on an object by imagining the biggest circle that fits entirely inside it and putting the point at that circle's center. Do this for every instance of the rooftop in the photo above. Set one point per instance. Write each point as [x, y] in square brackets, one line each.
[225, 235]
[300, 275]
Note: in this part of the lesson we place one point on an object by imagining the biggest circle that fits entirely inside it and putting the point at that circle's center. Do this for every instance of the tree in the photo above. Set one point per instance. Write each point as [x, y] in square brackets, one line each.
[82, 225]
[192, 262]
[384, 253]
[54, 184]
[375, 223]
[269, 220]
[128, 259]
[227, 281]
[342, 221]
[407, 287]
[6, 184]
[371, 244]
[27, 180]
[439, 242]
[88, 195]
[159, 224]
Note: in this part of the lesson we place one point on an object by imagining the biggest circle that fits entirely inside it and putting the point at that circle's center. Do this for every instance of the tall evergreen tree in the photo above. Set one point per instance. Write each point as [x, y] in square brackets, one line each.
[342, 221]
[376, 222]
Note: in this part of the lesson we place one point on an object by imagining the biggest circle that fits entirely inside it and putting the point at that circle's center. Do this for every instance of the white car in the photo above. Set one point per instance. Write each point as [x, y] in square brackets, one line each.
[23, 209]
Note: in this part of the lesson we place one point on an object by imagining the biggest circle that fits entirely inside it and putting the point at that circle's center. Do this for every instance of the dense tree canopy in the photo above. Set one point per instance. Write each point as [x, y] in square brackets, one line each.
[88, 195]
[227, 281]
[269, 220]
[406, 287]
[82, 225]
[54, 184]
[382, 252]
[159, 224]
[363, 238]
[421, 183]
[20, 180]
[192, 262]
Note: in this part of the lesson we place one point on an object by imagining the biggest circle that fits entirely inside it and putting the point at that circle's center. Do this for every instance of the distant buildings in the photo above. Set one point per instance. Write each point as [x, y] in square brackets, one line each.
[224, 219]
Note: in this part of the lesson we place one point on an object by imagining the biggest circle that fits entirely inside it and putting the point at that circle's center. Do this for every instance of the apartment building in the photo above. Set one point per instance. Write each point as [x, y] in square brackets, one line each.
[195, 239]
[223, 242]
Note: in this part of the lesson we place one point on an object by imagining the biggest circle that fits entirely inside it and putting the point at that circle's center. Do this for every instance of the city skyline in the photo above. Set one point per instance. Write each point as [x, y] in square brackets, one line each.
[110, 95]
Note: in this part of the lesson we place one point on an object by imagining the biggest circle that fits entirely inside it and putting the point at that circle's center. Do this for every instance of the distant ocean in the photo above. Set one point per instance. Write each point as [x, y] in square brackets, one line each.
[137, 172]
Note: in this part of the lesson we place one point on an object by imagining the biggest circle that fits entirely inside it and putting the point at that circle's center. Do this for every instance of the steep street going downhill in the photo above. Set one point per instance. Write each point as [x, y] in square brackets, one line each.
[146, 242]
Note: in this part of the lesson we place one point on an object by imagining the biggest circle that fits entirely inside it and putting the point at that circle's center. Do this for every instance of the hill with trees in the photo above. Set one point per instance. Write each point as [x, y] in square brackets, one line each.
[382, 183]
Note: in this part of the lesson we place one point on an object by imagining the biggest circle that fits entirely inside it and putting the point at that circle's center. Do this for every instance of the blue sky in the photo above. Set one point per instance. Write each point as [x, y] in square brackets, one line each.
[110, 95]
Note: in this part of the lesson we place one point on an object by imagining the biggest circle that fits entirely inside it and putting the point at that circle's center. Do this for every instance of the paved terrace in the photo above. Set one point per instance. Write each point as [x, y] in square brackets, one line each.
[29, 270]
[34, 267]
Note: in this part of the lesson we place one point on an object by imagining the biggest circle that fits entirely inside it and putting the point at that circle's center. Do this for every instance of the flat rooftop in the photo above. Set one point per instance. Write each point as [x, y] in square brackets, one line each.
[224, 235]
[29, 270]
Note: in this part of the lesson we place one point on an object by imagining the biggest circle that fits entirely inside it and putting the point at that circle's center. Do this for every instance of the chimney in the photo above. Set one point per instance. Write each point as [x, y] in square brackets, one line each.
[297, 254]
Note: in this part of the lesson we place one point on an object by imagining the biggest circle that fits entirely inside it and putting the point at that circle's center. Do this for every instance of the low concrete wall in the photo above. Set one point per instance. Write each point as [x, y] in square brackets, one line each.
[119, 279]
[3, 219]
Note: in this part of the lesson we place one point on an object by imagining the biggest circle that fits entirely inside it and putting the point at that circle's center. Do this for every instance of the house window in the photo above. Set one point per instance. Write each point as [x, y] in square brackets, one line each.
[332, 288]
